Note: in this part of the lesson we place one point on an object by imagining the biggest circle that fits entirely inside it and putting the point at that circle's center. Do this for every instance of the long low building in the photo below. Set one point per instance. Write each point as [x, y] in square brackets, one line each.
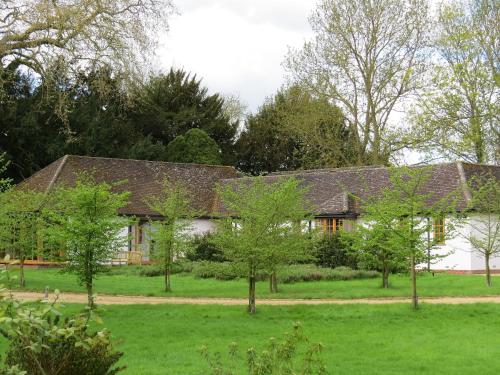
[330, 193]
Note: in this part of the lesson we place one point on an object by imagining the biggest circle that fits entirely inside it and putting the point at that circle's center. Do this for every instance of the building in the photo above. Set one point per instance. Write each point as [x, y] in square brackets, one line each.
[330, 193]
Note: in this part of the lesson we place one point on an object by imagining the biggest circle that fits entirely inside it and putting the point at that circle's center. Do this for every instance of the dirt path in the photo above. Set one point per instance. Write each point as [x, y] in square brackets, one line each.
[143, 300]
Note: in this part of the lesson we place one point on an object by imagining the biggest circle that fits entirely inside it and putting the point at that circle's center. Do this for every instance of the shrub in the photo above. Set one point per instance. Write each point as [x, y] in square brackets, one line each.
[218, 270]
[334, 251]
[297, 273]
[157, 270]
[286, 275]
[204, 248]
[41, 343]
[281, 356]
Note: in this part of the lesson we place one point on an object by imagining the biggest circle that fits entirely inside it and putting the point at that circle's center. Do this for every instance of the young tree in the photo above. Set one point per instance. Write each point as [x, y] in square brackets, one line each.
[84, 220]
[399, 219]
[20, 225]
[373, 245]
[485, 227]
[264, 227]
[366, 57]
[458, 114]
[169, 237]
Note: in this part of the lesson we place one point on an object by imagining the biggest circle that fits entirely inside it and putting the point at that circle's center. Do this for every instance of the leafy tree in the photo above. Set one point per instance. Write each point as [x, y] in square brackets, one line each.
[458, 114]
[485, 234]
[169, 237]
[84, 220]
[76, 33]
[398, 221]
[194, 147]
[20, 225]
[169, 105]
[280, 357]
[264, 229]
[374, 246]
[294, 130]
[367, 57]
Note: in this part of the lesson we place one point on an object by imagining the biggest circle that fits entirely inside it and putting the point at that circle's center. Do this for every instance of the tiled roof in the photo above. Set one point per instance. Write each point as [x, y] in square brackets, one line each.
[331, 190]
[142, 179]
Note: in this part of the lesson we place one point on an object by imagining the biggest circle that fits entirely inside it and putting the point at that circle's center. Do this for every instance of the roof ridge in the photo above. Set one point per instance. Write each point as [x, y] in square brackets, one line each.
[57, 173]
[152, 161]
[463, 181]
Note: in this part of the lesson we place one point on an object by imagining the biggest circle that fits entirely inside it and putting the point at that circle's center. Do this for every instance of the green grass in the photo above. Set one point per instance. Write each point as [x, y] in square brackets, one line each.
[358, 339]
[129, 283]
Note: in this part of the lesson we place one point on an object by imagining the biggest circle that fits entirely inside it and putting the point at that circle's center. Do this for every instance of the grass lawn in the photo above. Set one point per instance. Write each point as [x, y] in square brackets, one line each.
[358, 339]
[187, 285]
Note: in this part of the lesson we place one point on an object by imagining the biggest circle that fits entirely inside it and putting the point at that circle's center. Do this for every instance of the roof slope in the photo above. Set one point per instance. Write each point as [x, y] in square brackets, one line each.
[330, 189]
[142, 178]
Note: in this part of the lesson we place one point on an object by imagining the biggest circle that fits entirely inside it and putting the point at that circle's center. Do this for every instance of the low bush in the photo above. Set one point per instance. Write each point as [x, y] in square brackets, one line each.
[297, 273]
[292, 354]
[334, 251]
[288, 274]
[157, 270]
[40, 342]
[203, 248]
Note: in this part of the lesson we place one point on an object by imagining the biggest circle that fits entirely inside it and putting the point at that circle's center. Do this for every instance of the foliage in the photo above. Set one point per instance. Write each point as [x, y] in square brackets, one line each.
[170, 105]
[485, 234]
[397, 220]
[279, 357]
[77, 34]
[266, 227]
[42, 342]
[4, 182]
[333, 251]
[156, 270]
[169, 237]
[287, 274]
[363, 59]
[20, 225]
[193, 147]
[294, 130]
[458, 114]
[84, 221]
[204, 247]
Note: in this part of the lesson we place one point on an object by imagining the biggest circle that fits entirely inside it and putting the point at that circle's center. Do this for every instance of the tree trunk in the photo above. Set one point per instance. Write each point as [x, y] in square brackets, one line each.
[90, 294]
[273, 282]
[167, 278]
[414, 297]
[385, 277]
[22, 279]
[251, 293]
[488, 271]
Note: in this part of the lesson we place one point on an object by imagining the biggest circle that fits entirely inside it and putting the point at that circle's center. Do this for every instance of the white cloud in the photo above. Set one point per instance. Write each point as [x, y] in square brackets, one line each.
[236, 46]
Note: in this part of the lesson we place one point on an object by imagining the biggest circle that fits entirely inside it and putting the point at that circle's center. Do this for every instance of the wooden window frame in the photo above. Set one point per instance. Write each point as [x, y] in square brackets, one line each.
[330, 225]
[438, 230]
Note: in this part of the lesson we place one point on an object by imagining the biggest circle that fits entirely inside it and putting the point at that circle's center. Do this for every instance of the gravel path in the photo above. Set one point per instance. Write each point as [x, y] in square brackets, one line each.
[143, 300]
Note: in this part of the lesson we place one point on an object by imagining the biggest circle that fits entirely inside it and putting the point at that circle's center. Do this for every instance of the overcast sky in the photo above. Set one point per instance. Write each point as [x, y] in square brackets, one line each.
[236, 46]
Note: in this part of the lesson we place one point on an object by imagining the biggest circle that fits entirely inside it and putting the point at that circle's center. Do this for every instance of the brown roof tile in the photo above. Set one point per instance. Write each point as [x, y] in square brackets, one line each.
[142, 179]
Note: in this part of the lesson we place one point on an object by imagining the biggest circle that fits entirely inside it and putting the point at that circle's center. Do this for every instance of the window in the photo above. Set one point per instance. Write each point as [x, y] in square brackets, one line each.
[438, 226]
[330, 225]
